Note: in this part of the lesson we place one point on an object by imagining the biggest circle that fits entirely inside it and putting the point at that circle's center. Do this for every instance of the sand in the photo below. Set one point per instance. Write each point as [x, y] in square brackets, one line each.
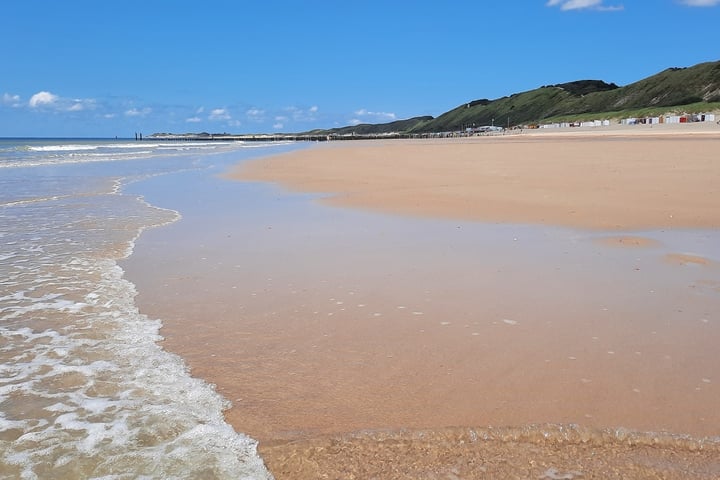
[632, 178]
[506, 289]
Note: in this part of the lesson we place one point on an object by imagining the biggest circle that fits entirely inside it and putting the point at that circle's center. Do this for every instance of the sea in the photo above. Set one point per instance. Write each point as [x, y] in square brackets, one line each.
[86, 391]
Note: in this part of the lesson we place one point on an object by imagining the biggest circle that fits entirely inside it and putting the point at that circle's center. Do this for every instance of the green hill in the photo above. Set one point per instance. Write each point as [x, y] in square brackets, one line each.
[684, 90]
[374, 129]
[590, 99]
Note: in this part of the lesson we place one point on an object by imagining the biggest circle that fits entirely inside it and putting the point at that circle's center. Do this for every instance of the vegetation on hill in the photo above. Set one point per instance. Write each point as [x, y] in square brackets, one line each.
[369, 128]
[693, 89]
[666, 90]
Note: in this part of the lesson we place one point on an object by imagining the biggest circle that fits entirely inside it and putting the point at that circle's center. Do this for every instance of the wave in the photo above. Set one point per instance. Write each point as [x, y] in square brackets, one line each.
[73, 158]
[61, 148]
[85, 388]
[33, 155]
[128, 145]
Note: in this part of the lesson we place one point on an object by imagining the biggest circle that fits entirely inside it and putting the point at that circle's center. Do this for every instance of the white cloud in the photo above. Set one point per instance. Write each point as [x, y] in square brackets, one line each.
[582, 4]
[11, 100]
[255, 114]
[43, 98]
[700, 3]
[374, 116]
[303, 114]
[49, 101]
[280, 122]
[134, 112]
[109, 115]
[219, 114]
[79, 104]
[193, 120]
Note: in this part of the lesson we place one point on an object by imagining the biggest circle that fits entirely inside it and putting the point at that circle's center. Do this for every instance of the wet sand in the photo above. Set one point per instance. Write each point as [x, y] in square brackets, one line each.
[352, 343]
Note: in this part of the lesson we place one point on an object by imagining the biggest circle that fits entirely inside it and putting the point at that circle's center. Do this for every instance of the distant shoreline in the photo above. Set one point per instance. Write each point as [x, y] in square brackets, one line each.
[616, 128]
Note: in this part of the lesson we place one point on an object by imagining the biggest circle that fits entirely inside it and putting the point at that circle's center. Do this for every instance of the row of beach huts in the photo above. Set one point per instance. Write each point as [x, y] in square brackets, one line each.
[686, 118]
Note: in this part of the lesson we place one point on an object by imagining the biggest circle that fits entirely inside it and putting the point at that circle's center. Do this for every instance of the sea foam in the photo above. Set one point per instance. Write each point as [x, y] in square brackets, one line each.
[85, 389]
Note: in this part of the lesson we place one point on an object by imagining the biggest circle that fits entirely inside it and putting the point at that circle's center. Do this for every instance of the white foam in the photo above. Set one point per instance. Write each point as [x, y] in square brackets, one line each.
[74, 153]
[81, 373]
[151, 387]
[62, 148]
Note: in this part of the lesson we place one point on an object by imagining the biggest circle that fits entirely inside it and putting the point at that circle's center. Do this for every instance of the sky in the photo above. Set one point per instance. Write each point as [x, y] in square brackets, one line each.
[88, 68]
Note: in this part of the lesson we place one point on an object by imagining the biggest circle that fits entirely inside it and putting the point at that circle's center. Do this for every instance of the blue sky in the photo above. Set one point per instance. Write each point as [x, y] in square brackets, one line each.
[105, 68]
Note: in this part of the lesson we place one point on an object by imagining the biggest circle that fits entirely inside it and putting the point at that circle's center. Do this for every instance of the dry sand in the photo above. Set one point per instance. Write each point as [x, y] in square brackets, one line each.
[356, 358]
[631, 178]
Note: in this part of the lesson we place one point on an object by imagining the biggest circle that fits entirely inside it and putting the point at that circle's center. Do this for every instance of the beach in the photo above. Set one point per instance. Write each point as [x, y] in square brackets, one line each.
[556, 178]
[534, 305]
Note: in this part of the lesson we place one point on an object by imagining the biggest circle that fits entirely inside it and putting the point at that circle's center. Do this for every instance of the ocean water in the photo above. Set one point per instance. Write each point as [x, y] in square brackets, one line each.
[85, 389]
